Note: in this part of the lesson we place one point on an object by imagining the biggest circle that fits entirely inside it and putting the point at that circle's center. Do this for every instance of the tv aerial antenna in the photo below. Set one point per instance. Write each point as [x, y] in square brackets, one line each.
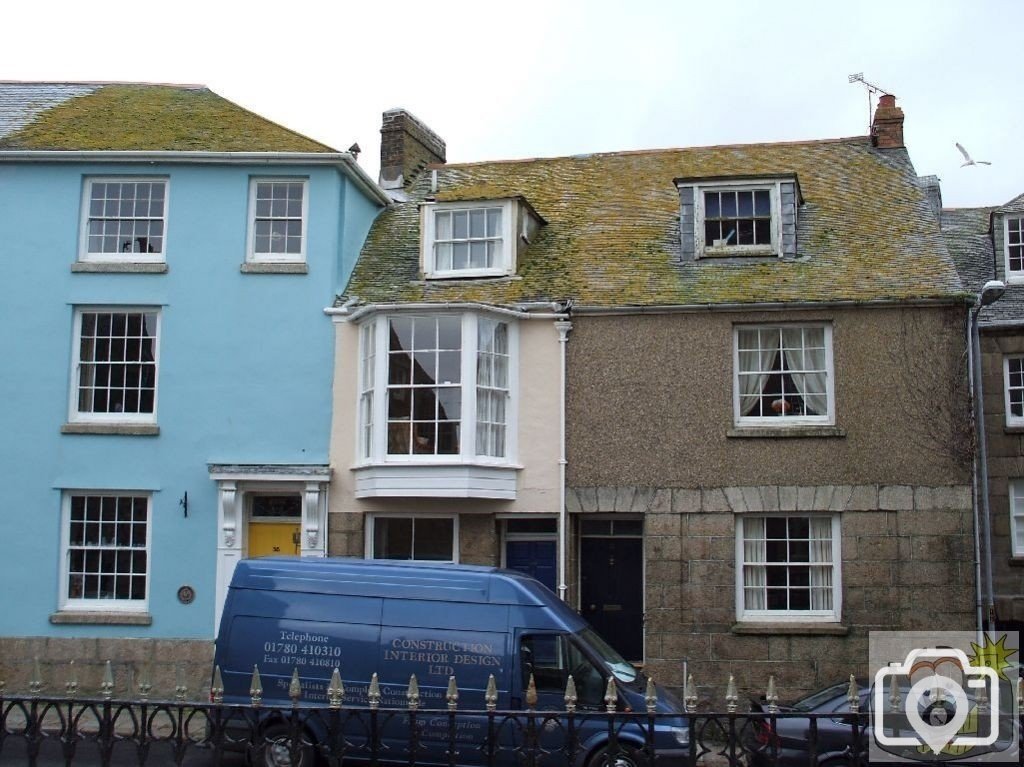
[871, 88]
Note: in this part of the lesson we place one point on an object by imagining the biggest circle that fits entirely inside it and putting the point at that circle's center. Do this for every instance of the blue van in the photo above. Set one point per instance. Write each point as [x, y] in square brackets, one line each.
[436, 621]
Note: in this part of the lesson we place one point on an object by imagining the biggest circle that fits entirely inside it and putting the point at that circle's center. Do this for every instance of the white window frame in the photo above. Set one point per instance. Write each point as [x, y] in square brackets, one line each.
[371, 521]
[68, 603]
[705, 249]
[376, 453]
[276, 258]
[1016, 493]
[1011, 419]
[77, 416]
[505, 261]
[791, 616]
[85, 255]
[1013, 276]
[785, 421]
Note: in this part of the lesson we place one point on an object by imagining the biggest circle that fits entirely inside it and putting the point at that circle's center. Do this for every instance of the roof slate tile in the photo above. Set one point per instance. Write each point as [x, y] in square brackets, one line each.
[865, 233]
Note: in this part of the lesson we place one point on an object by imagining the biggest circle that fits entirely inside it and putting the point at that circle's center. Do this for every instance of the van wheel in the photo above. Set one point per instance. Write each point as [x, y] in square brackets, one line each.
[621, 756]
[277, 750]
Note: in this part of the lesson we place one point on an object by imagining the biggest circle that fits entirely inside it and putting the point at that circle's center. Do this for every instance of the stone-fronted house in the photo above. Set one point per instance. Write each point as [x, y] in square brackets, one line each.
[755, 353]
[167, 258]
[987, 243]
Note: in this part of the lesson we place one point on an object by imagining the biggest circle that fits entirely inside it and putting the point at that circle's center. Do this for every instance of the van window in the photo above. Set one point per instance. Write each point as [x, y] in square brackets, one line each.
[551, 658]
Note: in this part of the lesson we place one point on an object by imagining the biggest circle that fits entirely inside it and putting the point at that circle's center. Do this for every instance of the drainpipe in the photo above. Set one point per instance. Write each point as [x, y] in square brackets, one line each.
[563, 327]
[978, 590]
[990, 293]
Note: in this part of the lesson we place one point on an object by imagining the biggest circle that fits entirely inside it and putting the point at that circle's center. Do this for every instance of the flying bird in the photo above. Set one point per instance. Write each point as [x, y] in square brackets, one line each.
[968, 158]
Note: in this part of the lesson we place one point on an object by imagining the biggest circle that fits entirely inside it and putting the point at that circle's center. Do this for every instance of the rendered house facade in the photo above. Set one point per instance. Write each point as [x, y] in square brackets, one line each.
[762, 363]
[987, 244]
[168, 256]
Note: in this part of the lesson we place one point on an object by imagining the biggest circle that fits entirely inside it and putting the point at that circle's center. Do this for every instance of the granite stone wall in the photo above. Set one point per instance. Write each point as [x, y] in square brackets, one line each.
[167, 663]
[907, 563]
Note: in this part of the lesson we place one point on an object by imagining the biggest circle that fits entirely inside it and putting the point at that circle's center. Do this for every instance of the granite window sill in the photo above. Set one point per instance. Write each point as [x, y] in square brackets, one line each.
[119, 429]
[1013, 429]
[790, 629]
[798, 432]
[1015, 562]
[98, 267]
[259, 267]
[88, 617]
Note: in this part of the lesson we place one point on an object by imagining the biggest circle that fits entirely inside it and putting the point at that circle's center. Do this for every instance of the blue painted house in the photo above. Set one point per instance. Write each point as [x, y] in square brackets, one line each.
[165, 263]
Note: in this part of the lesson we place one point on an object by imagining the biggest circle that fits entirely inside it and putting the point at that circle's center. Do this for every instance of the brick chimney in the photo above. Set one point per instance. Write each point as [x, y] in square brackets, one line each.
[887, 127]
[406, 146]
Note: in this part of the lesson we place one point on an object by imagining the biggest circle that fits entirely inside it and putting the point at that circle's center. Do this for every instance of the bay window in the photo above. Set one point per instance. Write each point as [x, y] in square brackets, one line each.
[435, 388]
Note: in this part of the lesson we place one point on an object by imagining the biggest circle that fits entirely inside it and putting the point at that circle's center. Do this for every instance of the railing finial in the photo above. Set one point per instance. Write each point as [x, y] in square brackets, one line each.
[853, 695]
[217, 687]
[35, 682]
[491, 693]
[71, 686]
[295, 687]
[570, 695]
[412, 695]
[691, 697]
[452, 696]
[611, 696]
[145, 686]
[732, 697]
[531, 693]
[107, 685]
[335, 690]
[180, 688]
[771, 696]
[373, 694]
[256, 688]
[651, 696]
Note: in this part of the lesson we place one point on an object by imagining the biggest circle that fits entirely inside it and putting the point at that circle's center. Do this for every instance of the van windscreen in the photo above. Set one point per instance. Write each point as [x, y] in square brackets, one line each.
[622, 669]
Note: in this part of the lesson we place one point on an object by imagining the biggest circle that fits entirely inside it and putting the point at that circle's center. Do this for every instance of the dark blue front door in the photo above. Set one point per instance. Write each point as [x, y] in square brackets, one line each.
[535, 558]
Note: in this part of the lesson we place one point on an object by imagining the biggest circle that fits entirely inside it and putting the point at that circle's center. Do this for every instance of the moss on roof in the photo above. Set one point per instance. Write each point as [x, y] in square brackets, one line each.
[153, 118]
[612, 238]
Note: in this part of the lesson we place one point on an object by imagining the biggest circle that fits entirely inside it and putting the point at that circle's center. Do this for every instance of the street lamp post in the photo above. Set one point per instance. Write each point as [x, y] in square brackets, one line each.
[991, 292]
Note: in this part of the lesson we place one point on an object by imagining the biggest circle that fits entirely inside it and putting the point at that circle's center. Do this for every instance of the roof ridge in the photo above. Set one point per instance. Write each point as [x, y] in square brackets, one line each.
[662, 150]
[101, 83]
[277, 124]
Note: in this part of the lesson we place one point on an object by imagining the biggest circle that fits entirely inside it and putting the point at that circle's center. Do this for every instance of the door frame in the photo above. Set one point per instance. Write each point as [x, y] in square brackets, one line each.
[642, 536]
[506, 536]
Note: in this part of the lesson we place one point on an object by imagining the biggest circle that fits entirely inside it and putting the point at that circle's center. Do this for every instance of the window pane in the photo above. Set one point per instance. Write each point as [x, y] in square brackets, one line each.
[433, 539]
[392, 538]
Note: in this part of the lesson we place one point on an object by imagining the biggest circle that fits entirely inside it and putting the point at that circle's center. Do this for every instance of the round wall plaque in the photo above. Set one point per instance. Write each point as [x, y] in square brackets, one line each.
[186, 594]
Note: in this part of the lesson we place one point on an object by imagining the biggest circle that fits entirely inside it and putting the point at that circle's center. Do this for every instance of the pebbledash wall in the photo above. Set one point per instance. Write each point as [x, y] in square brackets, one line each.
[652, 437]
[243, 379]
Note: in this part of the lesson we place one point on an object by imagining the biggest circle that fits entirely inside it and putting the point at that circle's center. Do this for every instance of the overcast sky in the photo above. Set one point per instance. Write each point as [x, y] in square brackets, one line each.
[527, 79]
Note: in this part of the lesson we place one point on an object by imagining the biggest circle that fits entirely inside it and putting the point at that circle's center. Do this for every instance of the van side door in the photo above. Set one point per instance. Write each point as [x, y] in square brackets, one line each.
[551, 658]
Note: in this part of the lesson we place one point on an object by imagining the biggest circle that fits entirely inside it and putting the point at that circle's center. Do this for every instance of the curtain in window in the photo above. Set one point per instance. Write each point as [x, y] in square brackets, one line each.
[821, 563]
[754, 556]
[809, 364]
[756, 355]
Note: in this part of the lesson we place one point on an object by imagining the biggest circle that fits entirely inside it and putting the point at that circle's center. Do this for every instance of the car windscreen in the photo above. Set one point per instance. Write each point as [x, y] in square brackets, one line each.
[817, 699]
[622, 669]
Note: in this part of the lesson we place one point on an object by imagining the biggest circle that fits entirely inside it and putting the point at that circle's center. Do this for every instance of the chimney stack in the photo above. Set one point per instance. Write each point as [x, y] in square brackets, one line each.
[406, 146]
[887, 127]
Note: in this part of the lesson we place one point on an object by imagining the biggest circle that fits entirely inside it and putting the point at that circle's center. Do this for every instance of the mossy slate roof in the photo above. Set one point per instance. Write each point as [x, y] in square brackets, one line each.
[612, 238]
[136, 117]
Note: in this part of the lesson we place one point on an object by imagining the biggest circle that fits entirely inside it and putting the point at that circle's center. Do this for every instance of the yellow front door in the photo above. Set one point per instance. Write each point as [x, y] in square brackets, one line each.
[273, 539]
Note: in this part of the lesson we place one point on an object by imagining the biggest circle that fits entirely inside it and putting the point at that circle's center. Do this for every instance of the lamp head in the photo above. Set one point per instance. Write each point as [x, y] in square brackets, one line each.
[991, 292]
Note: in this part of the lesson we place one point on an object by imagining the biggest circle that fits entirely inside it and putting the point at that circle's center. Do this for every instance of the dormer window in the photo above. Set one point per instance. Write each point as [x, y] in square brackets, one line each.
[727, 217]
[468, 239]
[1015, 248]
